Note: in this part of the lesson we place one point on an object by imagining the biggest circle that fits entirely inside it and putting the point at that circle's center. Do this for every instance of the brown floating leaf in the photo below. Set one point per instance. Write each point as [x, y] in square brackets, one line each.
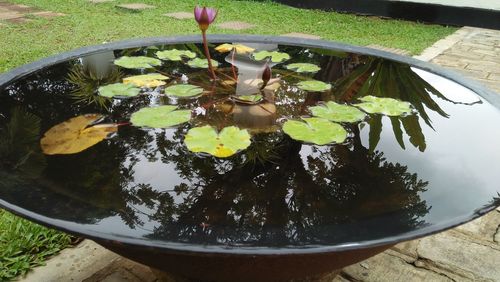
[75, 135]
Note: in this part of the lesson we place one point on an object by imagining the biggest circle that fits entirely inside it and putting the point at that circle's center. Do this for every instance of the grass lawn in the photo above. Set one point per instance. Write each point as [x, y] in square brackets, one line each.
[88, 24]
[23, 244]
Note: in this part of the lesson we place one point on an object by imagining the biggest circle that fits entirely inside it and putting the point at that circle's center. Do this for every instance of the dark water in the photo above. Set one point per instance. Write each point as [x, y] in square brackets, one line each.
[392, 177]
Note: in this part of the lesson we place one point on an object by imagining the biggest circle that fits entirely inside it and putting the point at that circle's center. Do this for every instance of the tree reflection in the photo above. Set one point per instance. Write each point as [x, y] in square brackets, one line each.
[385, 78]
[300, 197]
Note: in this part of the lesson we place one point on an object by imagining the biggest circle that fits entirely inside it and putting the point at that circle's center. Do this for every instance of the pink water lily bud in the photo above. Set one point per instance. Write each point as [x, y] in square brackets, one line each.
[266, 75]
[204, 16]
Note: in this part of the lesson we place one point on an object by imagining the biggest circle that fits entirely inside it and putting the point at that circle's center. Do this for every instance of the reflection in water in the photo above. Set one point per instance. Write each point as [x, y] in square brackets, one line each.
[384, 78]
[89, 74]
[278, 192]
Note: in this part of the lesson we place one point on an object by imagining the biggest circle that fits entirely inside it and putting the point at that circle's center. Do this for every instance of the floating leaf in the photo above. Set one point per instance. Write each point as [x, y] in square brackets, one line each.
[385, 106]
[160, 117]
[119, 90]
[337, 112]
[276, 57]
[175, 55]
[75, 135]
[251, 99]
[240, 48]
[183, 90]
[150, 80]
[201, 63]
[303, 67]
[315, 130]
[224, 144]
[140, 62]
[314, 85]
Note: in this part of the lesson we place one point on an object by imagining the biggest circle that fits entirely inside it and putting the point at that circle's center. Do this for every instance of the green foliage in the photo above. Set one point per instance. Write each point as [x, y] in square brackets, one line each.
[139, 62]
[86, 81]
[24, 245]
[385, 106]
[275, 56]
[160, 117]
[183, 90]
[337, 112]
[303, 67]
[228, 142]
[315, 130]
[314, 85]
[175, 55]
[251, 99]
[201, 63]
[119, 90]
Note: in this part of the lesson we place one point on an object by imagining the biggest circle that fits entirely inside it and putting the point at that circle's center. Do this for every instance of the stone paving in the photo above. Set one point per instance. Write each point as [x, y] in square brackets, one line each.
[470, 252]
[17, 13]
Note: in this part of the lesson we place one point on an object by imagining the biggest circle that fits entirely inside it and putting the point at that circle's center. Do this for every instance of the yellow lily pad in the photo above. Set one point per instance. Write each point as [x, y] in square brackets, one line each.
[228, 142]
[240, 48]
[150, 80]
[75, 135]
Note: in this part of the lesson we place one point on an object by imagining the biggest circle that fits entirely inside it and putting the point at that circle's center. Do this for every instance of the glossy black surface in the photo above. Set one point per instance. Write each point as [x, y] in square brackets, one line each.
[394, 178]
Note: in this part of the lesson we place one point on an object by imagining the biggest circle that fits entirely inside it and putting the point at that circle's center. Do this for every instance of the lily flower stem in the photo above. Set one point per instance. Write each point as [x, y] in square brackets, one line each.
[233, 68]
[207, 54]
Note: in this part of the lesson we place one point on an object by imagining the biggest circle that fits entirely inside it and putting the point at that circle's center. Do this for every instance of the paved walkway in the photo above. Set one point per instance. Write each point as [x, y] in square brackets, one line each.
[467, 253]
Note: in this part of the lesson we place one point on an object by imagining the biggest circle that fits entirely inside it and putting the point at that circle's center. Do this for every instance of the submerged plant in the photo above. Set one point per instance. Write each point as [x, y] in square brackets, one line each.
[205, 16]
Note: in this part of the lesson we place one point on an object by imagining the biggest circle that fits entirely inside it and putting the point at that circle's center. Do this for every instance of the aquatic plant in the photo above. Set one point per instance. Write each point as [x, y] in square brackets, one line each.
[222, 116]
[204, 17]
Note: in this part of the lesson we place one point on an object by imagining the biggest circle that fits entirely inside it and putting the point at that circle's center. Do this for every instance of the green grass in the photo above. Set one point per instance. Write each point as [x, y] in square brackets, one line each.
[24, 245]
[88, 24]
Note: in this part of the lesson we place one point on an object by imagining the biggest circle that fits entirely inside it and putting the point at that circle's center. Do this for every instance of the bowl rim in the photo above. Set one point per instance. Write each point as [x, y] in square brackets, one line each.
[173, 247]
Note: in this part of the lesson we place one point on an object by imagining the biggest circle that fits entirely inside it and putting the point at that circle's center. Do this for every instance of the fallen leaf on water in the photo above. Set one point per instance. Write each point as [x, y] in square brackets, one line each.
[75, 135]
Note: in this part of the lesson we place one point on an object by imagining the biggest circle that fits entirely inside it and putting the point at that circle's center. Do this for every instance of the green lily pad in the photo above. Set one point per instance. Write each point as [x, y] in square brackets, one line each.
[276, 57]
[119, 90]
[224, 144]
[160, 117]
[201, 63]
[315, 130]
[314, 85]
[249, 98]
[303, 67]
[337, 112]
[150, 80]
[175, 55]
[183, 90]
[385, 106]
[140, 62]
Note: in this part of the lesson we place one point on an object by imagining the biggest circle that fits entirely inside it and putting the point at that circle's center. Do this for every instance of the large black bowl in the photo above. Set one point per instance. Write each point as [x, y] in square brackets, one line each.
[323, 248]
